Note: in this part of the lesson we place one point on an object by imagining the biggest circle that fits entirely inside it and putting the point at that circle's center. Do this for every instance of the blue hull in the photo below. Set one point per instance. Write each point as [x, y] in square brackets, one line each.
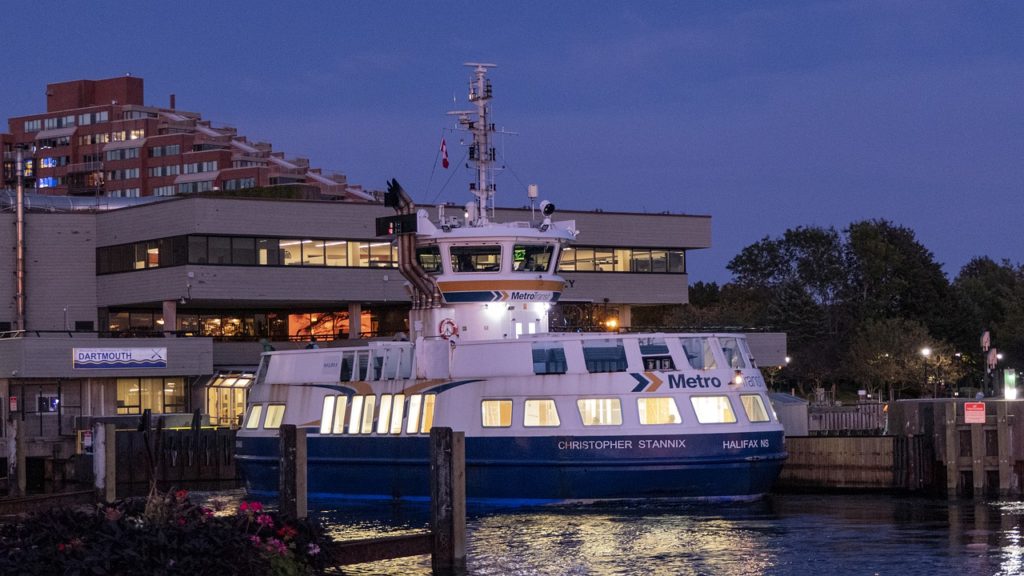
[533, 468]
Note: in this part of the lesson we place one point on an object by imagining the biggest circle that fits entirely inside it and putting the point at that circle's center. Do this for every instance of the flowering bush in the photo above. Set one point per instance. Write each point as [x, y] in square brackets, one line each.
[163, 535]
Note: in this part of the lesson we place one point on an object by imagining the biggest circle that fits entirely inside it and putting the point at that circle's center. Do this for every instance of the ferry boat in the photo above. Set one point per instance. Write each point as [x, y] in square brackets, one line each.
[546, 416]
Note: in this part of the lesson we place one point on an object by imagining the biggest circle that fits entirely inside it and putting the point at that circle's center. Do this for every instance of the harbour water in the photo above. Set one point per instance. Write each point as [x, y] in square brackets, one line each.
[782, 534]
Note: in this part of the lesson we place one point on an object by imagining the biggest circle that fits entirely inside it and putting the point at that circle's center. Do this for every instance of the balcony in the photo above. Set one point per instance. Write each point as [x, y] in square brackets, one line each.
[85, 167]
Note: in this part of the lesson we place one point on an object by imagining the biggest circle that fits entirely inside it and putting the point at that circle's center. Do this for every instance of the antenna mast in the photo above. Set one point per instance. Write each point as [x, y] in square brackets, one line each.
[481, 152]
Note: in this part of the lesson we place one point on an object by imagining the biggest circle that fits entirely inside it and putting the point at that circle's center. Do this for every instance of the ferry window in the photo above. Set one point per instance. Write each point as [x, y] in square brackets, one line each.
[339, 415]
[368, 405]
[326, 414]
[413, 424]
[427, 422]
[253, 421]
[476, 258]
[600, 411]
[337, 252]
[356, 416]
[733, 354]
[655, 354]
[713, 409]
[540, 413]
[549, 358]
[753, 405]
[605, 355]
[496, 413]
[429, 258]
[698, 353]
[658, 411]
[397, 413]
[384, 419]
[532, 257]
[275, 414]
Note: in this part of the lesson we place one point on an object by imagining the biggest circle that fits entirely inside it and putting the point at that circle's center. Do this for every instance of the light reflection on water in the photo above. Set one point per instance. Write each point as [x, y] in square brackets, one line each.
[782, 534]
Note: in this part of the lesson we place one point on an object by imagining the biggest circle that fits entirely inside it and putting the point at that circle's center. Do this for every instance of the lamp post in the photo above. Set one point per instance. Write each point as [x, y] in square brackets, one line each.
[926, 353]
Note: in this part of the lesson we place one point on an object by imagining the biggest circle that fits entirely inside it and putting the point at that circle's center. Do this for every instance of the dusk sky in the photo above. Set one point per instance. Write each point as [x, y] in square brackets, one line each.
[763, 115]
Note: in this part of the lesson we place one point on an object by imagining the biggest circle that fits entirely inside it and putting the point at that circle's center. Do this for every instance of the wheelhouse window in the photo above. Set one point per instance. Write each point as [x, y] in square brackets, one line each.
[476, 258]
[549, 358]
[496, 413]
[658, 411]
[532, 257]
[713, 409]
[604, 355]
[275, 415]
[753, 405]
[600, 411]
[252, 421]
[655, 354]
[540, 413]
[429, 258]
[699, 353]
[734, 353]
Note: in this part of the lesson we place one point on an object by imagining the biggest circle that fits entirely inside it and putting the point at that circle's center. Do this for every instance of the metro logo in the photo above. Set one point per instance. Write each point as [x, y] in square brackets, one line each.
[684, 381]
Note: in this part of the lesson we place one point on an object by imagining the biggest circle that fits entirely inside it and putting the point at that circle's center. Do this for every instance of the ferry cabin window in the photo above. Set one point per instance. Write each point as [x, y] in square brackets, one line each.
[339, 415]
[532, 257]
[549, 358]
[427, 422]
[496, 413]
[384, 419]
[360, 420]
[658, 411]
[655, 354]
[605, 355]
[753, 405]
[540, 413]
[397, 413]
[713, 409]
[698, 353]
[354, 418]
[600, 411]
[429, 258]
[733, 354]
[326, 415]
[275, 414]
[476, 258]
[253, 421]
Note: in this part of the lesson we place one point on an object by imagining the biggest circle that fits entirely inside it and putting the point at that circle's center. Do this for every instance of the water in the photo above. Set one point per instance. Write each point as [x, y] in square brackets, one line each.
[783, 534]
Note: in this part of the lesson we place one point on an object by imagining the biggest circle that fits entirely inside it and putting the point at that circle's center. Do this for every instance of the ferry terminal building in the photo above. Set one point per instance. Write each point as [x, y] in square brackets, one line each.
[165, 304]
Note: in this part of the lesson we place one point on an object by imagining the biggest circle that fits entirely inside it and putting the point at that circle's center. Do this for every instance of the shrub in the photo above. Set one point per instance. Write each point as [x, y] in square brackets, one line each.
[165, 534]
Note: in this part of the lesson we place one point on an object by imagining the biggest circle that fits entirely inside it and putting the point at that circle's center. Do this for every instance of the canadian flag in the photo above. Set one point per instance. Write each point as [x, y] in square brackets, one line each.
[444, 154]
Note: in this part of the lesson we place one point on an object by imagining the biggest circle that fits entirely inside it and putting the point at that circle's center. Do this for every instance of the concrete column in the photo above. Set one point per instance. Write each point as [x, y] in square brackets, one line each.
[355, 320]
[625, 315]
[170, 315]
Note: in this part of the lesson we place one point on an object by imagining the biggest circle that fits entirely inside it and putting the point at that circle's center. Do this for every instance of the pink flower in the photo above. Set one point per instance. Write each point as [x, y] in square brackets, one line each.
[255, 506]
[287, 533]
[255, 540]
[244, 506]
[180, 495]
[181, 521]
[113, 514]
[265, 520]
[206, 512]
[312, 549]
[276, 546]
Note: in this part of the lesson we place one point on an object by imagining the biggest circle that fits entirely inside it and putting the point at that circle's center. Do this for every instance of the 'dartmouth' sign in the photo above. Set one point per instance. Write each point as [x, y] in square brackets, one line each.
[106, 358]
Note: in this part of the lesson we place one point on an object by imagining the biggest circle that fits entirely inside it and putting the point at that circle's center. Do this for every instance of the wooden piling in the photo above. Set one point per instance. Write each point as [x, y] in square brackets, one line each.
[978, 459]
[952, 452]
[1003, 436]
[448, 500]
[294, 503]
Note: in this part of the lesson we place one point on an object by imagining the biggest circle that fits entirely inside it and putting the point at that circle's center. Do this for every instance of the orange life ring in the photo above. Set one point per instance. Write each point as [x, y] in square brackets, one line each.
[447, 328]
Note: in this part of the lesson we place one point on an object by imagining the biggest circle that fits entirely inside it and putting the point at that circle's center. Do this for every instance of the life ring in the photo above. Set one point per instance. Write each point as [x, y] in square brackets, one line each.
[447, 328]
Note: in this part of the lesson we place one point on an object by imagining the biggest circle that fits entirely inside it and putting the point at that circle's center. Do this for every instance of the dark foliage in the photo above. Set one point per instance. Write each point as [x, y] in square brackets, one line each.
[167, 536]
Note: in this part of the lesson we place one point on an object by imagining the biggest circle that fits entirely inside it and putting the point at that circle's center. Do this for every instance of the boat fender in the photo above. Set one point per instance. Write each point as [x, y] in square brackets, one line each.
[447, 328]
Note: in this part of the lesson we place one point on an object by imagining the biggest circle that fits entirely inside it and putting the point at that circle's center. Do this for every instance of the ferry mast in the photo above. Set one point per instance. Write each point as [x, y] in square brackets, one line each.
[481, 152]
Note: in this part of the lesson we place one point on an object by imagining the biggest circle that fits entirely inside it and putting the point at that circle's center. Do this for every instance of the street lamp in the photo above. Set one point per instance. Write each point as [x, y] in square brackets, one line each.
[927, 352]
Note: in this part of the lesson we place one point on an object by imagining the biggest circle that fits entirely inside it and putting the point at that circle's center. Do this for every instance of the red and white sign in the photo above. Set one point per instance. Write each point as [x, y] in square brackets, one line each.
[974, 413]
[12, 403]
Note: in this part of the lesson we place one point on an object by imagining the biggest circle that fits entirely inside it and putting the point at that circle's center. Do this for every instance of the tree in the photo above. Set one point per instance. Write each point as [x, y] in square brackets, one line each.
[885, 355]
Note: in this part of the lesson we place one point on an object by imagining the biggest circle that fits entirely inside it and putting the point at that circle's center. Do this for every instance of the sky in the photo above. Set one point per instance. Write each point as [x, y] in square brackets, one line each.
[763, 115]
